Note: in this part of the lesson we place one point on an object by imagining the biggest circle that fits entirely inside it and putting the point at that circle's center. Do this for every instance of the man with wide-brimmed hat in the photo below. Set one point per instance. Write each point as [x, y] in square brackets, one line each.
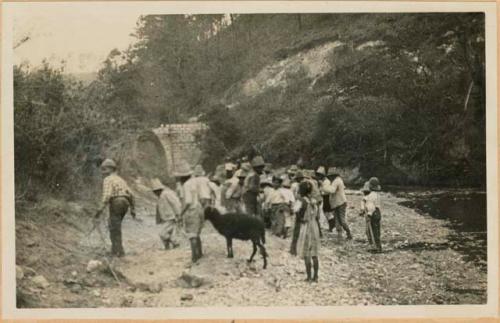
[234, 193]
[118, 196]
[229, 168]
[338, 201]
[168, 211]
[252, 187]
[192, 211]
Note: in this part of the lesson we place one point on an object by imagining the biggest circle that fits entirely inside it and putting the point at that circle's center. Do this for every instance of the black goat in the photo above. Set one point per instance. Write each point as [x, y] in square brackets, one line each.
[241, 227]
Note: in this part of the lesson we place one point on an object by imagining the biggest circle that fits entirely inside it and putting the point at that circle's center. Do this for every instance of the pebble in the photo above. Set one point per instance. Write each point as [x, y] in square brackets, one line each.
[40, 282]
[187, 297]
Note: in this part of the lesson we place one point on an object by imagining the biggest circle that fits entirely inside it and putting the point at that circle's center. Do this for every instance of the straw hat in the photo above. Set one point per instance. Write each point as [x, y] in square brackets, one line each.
[156, 185]
[199, 171]
[374, 184]
[258, 161]
[229, 166]
[246, 166]
[241, 173]
[108, 163]
[184, 169]
[321, 170]
[264, 180]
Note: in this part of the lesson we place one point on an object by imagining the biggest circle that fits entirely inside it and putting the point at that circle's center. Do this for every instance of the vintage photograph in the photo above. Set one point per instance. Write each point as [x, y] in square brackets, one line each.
[238, 159]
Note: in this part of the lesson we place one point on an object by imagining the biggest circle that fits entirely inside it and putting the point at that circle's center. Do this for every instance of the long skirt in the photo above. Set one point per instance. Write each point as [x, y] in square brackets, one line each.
[309, 240]
[193, 222]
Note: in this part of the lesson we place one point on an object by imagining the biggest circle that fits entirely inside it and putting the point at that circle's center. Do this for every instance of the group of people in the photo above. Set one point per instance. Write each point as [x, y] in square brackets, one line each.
[290, 203]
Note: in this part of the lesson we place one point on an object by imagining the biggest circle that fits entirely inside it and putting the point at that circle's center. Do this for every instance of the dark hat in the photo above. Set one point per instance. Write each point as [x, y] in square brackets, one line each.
[299, 174]
[374, 184]
[258, 161]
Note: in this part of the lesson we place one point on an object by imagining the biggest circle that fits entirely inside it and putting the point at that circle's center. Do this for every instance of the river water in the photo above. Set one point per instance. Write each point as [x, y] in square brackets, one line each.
[464, 212]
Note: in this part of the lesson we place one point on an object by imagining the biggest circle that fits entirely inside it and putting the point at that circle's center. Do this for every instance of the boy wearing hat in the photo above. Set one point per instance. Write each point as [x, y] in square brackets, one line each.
[277, 203]
[370, 207]
[118, 196]
[338, 201]
[234, 193]
[192, 211]
[168, 210]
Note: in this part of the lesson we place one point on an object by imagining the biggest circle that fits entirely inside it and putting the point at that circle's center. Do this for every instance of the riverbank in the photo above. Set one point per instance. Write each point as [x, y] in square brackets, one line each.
[421, 264]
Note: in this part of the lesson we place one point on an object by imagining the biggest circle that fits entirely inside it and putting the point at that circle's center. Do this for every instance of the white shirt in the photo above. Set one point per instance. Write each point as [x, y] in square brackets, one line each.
[169, 205]
[189, 194]
[370, 202]
[337, 192]
[204, 189]
[288, 195]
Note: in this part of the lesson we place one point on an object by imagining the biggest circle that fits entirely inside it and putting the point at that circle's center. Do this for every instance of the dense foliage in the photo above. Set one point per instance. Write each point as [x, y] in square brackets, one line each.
[405, 98]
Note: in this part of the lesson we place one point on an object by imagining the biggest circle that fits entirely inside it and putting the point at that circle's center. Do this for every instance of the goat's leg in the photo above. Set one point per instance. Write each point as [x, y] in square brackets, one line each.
[229, 243]
[263, 253]
[253, 252]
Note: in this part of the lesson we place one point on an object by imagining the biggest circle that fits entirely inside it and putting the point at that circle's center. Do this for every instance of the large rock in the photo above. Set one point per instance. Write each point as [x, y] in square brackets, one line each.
[40, 282]
[190, 280]
[94, 265]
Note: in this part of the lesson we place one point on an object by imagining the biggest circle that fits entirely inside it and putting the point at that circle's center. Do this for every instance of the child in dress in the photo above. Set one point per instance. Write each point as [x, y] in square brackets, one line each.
[309, 239]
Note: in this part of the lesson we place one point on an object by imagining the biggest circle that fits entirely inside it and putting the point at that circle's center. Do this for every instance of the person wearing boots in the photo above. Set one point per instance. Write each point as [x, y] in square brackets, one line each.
[118, 196]
[338, 201]
[168, 210]
[309, 240]
[192, 211]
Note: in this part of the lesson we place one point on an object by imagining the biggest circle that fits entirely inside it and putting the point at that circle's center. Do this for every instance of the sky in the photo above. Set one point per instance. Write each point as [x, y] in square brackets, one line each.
[83, 37]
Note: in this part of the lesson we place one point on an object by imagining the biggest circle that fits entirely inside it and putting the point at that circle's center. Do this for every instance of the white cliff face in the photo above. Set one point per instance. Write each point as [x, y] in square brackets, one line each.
[314, 63]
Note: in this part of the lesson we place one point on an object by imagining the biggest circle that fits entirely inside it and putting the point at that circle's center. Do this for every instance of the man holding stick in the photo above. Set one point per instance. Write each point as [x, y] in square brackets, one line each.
[118, 196]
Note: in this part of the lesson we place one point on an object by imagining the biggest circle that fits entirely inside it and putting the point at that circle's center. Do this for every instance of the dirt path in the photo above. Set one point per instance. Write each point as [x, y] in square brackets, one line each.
[419, 266]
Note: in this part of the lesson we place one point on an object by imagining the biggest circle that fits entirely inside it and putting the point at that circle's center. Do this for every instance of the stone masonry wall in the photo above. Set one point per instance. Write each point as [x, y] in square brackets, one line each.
[180, 143]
